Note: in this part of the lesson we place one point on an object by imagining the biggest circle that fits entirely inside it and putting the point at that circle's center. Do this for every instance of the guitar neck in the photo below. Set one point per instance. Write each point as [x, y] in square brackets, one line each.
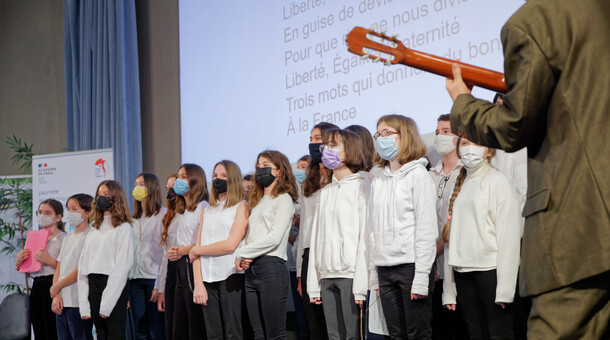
[472, 75]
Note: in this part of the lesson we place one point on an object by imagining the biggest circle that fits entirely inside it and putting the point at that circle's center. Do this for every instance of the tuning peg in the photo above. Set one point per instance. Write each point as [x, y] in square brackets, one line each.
[372, 29]
[395, 36]
[364, 56]
[383, 32]
[378, 57]
[388, 63]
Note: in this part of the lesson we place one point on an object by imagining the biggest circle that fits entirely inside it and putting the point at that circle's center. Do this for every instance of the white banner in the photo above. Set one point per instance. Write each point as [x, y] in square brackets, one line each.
[61, 175]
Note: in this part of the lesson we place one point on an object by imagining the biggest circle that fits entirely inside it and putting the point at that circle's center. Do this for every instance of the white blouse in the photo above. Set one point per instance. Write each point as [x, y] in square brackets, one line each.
[217, 224]
[189, 226]
[148, 251]
[53, 248]
[68, 257]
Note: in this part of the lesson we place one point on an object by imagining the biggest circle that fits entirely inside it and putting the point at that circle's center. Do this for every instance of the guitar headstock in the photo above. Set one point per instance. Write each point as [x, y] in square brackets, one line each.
[375, 45]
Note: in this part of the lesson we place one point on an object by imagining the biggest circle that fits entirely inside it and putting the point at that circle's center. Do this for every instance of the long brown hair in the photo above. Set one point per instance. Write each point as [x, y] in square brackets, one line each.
[286, 183]
[352, 147]
[235, 191]
[368, 145]
[58, 208]
[412, 147]
[119, 209]
[198, 186]
[152, 204]
[173, 207]
[456, 190]
[314, 179]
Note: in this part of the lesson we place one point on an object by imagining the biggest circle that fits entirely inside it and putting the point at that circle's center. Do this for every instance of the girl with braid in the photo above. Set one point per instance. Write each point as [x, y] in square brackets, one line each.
[482, 237]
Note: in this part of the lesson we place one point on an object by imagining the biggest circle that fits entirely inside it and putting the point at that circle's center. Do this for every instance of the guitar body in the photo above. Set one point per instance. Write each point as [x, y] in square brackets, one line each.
[390, 50]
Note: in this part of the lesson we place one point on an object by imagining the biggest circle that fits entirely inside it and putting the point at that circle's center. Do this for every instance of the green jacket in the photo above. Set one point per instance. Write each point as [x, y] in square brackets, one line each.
[557, 69]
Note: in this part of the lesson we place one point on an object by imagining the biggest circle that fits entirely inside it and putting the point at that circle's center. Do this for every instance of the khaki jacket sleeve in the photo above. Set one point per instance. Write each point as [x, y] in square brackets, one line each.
[521, 120]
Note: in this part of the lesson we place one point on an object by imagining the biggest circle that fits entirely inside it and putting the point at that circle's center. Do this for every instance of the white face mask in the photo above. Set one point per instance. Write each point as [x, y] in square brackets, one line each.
[472, 155]
[74, 218]
[45, 221]
[444, 144]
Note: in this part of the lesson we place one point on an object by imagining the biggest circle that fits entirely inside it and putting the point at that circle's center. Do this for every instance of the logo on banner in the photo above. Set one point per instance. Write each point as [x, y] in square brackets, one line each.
[101, 168]
[45, 170]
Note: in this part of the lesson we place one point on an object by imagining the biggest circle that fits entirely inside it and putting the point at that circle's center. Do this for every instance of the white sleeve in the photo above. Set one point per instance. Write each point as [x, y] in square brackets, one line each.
[361, 280]
[373, 278]
[426, 232]
[508, 235]
[449, 290]
[300, 241]
[123, 261]
[82, 282]
[267, 243]
[313, 276]
[157, 240]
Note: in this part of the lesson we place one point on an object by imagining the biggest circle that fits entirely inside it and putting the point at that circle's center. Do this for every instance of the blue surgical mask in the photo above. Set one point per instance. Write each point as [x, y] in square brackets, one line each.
[300, 175]
[181, 186]
[386, 148]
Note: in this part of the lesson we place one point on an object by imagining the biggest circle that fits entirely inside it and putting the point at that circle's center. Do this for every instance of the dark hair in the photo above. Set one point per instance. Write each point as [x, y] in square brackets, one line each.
[443, 118]
[152, 205]
[286, 183]
[119, 210]
[198, 186]
[352, 147]
[173, 207]
[368, 145]
[83, 200]
[306, 158]
[315, 180]
[58, 208]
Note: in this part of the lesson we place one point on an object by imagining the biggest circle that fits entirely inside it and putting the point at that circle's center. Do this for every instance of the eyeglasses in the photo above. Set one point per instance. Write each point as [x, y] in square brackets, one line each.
[385, 133]
[329, 146]
[441, 187]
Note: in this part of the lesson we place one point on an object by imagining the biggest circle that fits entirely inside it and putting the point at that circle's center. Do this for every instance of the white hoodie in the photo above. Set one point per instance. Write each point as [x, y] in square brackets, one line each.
[403, 222]
[338, 241]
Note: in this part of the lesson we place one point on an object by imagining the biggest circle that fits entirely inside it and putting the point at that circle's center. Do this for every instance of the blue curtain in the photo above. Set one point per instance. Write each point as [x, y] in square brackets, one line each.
[102, 82]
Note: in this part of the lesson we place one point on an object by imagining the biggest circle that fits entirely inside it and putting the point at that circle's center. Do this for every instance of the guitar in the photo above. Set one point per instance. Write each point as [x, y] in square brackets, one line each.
[390, 50]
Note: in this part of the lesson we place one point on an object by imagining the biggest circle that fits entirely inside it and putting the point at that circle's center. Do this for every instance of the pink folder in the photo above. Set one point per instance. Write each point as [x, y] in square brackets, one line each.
[37, 240]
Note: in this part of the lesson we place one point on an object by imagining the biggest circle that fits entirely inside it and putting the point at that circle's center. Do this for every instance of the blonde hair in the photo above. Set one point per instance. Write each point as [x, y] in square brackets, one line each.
[235, 191]
[456, 190]
[412, 147]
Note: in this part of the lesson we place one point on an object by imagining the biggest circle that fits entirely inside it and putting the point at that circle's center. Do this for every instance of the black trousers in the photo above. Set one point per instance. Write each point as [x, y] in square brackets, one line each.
[446, 324]
[314, 313]
[476, 294]
[223, 314]
[405, 318]
[188, 316]
[42, 317]
[266, 295]
[170, 286]
[112, 327]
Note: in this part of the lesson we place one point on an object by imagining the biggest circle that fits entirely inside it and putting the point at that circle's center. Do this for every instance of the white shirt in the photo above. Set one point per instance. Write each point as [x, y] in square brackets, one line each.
[68, 258]
[514, 166]
[444, 184]
[171, 242]
[53, 248]
[148, 251]
[269, 225]
[485, 232]
[189, 226]
[309, 208]
[217, 224]
[403, 221]
[338, 241]
[109, 251]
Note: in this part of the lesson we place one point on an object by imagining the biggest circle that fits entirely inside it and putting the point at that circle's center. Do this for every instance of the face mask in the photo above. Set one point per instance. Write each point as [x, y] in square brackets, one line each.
[74, 218]
[314, 152]
[181, 186]
[220, 185]
[264, 177]
[472, 156]
[444, 144]
[300, 175]
[330, 158]
[386, 148]
[171, 194]
[45, 221]
[103, 203]
[140, 193]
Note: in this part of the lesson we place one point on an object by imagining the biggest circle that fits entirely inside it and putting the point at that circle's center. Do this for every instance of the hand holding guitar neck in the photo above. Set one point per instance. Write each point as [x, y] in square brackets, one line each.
[390, 50]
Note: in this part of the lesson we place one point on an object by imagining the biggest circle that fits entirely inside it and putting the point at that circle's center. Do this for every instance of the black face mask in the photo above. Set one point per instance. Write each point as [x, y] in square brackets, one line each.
[220, 185]
[171, 195]
[103, 203]
[264, 176]
[315, 153]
